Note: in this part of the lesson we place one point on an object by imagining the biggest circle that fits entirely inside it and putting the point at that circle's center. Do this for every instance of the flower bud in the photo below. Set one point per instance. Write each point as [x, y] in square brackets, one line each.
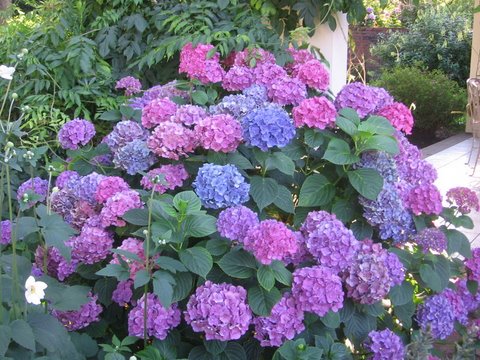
[14, 96]
[24, 51]
[9, 145]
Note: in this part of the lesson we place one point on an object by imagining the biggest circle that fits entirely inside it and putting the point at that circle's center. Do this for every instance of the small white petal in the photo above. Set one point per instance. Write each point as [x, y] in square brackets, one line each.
[30, 281]
[6, 72]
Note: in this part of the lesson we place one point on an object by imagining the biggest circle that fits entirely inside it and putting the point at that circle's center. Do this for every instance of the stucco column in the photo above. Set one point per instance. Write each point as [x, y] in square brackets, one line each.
[334, 46]
[474, 62]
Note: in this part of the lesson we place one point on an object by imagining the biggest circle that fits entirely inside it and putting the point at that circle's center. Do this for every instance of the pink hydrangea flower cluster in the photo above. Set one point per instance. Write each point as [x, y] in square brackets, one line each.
[317, 289]
[302, 253]
[314, 74]
[221, 133]
[173, 176]
[79, 319]
[287, 91]
[189, 115]
[285, 321]
[270, 240]
[299, 57]
[158, 111]
[123, 292]
[267, 74]
[464, 198]
[76, 133]
[238, 78]
[92, 245]
[130, 84]
[160, 320]
[399, 115]
[117, 205]
[316, 112]
[253, 57]
[194, 61]
[133, 246]
[424, 199]
[234, 222]
[109, 186]
[473, 265]
[172, 140]
[219, 310]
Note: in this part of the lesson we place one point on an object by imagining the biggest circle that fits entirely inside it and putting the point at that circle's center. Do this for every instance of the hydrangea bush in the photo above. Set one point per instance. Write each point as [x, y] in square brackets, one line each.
[240, 213]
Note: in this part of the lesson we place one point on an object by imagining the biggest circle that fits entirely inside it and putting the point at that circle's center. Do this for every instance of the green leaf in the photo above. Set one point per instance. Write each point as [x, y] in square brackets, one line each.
[265, 277]
[215, 347]
[344, 210]
[84, 344]
[218, 247]
[262, 301]
[222, 4]
[362, 230]
[472, 286]
[200, 225]
[430, 277]
[111, 115]
[458, 243]
[346, 125]
[239, 161]
[200, 353]
[377, 125]
[22, 334]
[26, 225]
[68, 297]
[359, 325]
[401, 294]
[368, 182]
[338, 152]
[141, 278]
[331, 319]
[234, 351]
[238, 264]
[381, 143]
[316, 191]
[183, 286]
[115, 270]
[405, 313]
[162, 287]
[313, 138]
[281, 273]
[136, 217]
[197, 259]
[5, 336]
[193, 201]
[104, 288]
[170, 264]
[55, 230]
[263, 191]
[284, 200]
[200, 97]
[282, 162]
[350, 114]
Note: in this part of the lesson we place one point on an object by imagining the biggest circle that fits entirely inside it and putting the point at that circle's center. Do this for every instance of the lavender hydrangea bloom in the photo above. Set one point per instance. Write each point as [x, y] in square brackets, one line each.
[86, 188]
[36, 186]
[157, 92]
[382, 162]
[473, 265]
[285, 321]
[130, 84]
[160, 320]
[268, 127]
[123, 293]
[125, 132]
[471, 302]
[134, 157]
[189, 115]
[219, 310]
[221, 186]
[236, 105]
[396, 270]
[234, 222]
[465, 198]
[314, 219]
[287, 91]
[5, 232]
[57, 265]
[381, 97]
[79, 319]
[92, 245]
[76, 132]
[66, 179]
[431, 239]
[358, 97]
[258, 93]
[385, 345]
[460, 311]
[317, 289]
[436, 314]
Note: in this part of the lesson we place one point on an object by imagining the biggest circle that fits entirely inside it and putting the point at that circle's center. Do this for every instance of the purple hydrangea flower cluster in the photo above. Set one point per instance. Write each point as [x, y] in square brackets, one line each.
[116, 206]
[424, 199]
[465, 199]
[317, 289]
[219, 310]
[268, 127]
[437, 315]
[173, 176]
[158, 92]
[160, 320]
[171, 140]
[257, 93]
[285, 321]
[380, 97]
[246, 57]
[383, 163]
[221, 186]
[5, 232]
[75, 133]
[287, 91]
[158, 111]
[471, 302]
[67, 179]
[267, 74]
[234, 222]
[123, 292]
[133, 246]
[86, 187]
[189, 115]
[385, 345]
[92, 245]
[130, 84]
[57, 266]
[134, 157]
[396, 271]
[235, 105]
[431, 239]
[194, 61]
[331, 243]
[221, 133]
[358, 97]
[34, 186]
[270, 240]
[314, 219]
[79, 319]
[238, 78]
[399, 116]
[302, 254]
[124, 133]
[473, 265]
[316, 112]
[460, 311]
[300, 57]
[109, 186]
[314, 74]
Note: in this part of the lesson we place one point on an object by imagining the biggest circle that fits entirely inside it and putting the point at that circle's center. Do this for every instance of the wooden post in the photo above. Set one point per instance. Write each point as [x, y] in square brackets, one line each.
[475, 60]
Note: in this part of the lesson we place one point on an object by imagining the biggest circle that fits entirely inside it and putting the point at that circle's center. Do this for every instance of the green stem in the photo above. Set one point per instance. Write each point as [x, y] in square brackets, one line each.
[147, 267]
[14, 242]
[5, 97]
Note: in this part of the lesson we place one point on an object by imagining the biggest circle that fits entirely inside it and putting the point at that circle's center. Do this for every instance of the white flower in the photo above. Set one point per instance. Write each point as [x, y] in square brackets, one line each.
[6, 72]
[35, 290]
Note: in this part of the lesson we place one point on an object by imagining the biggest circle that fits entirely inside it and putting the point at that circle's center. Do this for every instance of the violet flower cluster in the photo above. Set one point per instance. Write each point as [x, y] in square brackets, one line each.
[431, 239]
[34, 186]
[123, 292]
[79, 319]
[130, 84]
[385, 345]
[473, 265]
[465, 199]
[76, 133]
[234, 222]
[57, 265]
[362, 98]
[436, 315]
[5, 232]
[173, 177]
[194, 61]
[220, 133]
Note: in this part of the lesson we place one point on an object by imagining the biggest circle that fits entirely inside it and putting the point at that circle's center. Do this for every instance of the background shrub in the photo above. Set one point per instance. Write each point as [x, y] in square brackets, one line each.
[437, 98]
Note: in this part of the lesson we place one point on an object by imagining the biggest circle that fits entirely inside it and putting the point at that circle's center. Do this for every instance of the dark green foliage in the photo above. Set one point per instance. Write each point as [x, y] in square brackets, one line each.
[438, 100]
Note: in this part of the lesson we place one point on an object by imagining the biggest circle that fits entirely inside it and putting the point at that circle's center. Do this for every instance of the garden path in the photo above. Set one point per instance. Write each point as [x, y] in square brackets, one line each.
[450, 158]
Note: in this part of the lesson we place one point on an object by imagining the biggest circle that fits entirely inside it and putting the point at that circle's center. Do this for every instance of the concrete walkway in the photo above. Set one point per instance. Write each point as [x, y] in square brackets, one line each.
[450, 158]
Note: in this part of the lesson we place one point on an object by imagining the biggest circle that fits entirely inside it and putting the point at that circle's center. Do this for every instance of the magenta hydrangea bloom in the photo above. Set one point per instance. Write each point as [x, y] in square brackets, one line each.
[158, 111]
[221, 133]
[465, 199]
[234, 222]
[160, 320]
[130, 84]
[314, 74]
[124, 133]
[316, 112]
[66, 179]
[195, 63]
[266, 74]
[123, 292]
[173, 176]
[385, 345]
[473, 265]
[133, 246]
[399, 116]
[437, 315]
[75, 133]
[460, 311]
[189, 115]
[332, 244]
[171, 140]
[317, 289]
[57, 266]
[270, 240]
[238, 78]
[92, 245]
[219, 310]
[79, 319]
[431, 239]
[287, 91]
[253, 57]
[5, 232]
[424, 199]
[117, 205]
[285, 321]
[358, 97]
[300, 57]
[315, 219]
[302, 253]
[35, 186]
[109, 186]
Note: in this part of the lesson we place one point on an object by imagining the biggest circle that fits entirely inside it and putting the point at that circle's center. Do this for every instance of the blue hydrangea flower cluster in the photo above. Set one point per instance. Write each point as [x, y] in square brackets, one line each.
[258, 93]
[134, 157]
[87, 187]
[382, 162]
[236, 105]
[268, 127]
[385, 345]
[125, 132]
[436, 315]
[220, 186]
[460, 311]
